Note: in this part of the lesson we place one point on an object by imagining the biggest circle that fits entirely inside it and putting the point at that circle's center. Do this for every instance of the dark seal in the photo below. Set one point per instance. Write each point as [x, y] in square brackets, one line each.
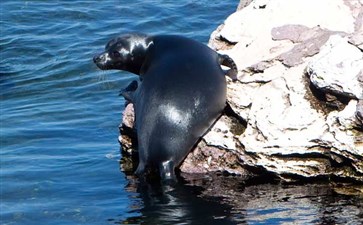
[181, 94]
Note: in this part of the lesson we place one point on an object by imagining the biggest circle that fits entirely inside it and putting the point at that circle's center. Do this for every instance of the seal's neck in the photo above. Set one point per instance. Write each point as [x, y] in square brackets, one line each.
[139, 56]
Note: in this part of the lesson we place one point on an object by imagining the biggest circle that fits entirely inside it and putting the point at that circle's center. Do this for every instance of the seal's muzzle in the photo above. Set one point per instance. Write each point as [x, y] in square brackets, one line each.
[100, 60]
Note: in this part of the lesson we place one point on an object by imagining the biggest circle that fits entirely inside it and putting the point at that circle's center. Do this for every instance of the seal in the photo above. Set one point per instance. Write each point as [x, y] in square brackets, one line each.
[181, 94]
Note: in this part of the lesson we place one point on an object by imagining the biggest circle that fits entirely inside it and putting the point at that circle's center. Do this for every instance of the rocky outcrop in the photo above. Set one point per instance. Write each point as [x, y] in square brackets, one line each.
[296, 108]
[338, 68]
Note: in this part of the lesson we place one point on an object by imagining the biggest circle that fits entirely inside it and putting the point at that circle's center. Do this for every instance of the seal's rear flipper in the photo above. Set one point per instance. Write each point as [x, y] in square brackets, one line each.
[140, 169]
[129, 91]
[225, 60]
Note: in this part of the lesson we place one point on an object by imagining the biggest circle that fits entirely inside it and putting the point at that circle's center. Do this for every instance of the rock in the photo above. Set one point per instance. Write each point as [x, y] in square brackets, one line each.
[250, 28]
[261, 16]
[208, 158]
[337, 67]
[276, 139]
[359, 112]
[128, 136]
[243, 4]
[357, 40]
[280, 122]
[296, 110]
[308, 42]
[282, 126]
[342, 137]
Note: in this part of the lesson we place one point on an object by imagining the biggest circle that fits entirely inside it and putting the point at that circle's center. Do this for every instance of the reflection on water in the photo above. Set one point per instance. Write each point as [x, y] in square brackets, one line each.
[177, 203]
[230, 200]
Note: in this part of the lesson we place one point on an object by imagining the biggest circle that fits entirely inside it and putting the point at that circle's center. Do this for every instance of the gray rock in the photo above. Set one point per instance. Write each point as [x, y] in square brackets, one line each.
[308, 41]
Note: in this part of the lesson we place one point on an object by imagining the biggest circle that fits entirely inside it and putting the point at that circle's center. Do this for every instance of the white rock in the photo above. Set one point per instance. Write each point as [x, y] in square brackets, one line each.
[289, 132]
[253, 19]
[336, 68]
[303, 167]
[220, 136]
[282, 122]
[251, 27]
[346, 117]
[344, 140]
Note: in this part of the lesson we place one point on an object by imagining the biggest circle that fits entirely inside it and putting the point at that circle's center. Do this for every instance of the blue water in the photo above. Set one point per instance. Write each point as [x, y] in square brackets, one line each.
[60, 114]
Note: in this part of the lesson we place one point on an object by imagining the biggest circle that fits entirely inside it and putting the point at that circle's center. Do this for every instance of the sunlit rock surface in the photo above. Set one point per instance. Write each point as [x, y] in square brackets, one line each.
[297, 108]
[337, 68]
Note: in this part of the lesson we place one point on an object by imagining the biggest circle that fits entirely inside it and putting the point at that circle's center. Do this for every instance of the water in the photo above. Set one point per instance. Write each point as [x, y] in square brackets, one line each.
[59, 118]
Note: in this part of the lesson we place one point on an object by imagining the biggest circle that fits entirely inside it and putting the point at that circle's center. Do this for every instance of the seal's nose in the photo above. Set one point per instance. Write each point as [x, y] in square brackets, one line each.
[101, 61]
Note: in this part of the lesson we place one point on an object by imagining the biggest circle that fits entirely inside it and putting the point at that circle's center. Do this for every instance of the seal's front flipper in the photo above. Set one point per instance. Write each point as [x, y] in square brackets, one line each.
[225, 60]
[166, 170]
[129, 92]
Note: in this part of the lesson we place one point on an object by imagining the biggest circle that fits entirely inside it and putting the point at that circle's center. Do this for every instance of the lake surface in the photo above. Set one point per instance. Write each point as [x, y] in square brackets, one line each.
[59, 127]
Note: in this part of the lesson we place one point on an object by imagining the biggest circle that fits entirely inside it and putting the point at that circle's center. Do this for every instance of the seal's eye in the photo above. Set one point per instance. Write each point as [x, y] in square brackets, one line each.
[116, 54]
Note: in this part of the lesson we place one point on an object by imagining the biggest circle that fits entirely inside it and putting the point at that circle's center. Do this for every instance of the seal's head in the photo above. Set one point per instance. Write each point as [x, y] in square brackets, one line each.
[126, 52]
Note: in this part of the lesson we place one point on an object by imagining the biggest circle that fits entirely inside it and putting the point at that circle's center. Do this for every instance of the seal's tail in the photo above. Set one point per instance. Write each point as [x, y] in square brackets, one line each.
[225, 60]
